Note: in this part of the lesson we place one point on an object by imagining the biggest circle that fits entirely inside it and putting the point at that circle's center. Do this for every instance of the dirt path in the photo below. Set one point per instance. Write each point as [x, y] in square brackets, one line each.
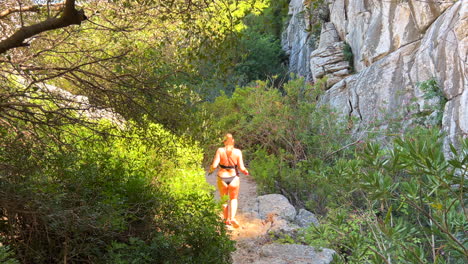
[251, 233]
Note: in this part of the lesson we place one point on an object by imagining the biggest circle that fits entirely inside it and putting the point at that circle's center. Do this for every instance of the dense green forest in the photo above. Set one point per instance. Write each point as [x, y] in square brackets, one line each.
[119, 177]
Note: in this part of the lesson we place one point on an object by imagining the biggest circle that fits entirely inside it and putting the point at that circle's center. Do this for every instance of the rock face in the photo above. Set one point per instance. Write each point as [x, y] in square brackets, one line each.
[397, 45]
[297, 41]
[328, 60]
[376, 28]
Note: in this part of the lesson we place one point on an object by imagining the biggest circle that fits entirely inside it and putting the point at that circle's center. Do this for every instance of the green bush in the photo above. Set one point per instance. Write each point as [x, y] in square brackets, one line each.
[262, 56]
[72, 201]
[349, 56]
[432, 111]
[408, 201]
[7, 256]
[283, 132]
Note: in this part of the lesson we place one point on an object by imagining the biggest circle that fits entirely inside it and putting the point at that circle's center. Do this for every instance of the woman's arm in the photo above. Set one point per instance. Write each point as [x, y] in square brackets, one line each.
[241, 164]
[215, 163]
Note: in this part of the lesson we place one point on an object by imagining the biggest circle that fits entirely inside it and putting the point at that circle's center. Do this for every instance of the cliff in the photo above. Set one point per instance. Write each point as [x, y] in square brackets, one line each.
[409, 59]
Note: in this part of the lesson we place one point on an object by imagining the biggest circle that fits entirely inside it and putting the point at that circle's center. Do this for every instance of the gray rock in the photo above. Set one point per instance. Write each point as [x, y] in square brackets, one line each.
[305, 218]
[275, 206]
[280, 226]
[388, 86]
[376, 28]
[330, 62]
[328, 35]
[292, 253]
[297, 41]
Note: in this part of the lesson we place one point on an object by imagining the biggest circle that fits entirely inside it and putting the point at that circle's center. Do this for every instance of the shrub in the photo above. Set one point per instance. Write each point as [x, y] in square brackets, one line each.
[349, 56]
[73, 201]
[7, 256]
[432, 111]
[409, 201]
[262, 57]
[283, 133]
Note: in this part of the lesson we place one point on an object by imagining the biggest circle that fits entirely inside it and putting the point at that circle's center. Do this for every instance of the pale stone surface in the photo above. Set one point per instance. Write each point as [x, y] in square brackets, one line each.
[338, 15]
[328, 59]
[282, 226]
[80, 103]
[427, 11]
[443, 55]
[296, 254]
[296, 41]
[376, 28]
[275, 205]
[328, 35]
[305, 218]
[389, 86]
[374, 90]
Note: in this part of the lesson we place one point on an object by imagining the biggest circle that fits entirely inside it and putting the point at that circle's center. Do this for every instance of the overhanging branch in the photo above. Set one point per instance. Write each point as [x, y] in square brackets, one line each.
[70, 16]
[30, 8]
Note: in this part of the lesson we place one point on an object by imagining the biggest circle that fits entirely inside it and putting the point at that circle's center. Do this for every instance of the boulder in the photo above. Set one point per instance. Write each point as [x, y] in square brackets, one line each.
[275, 206]
[305, 218]
[328, 59]
[293, 253]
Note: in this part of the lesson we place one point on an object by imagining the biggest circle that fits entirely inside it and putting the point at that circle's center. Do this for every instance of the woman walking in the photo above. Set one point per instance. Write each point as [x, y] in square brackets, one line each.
[230, 162]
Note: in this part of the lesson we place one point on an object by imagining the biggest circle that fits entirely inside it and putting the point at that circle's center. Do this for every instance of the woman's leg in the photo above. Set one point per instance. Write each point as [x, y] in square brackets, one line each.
[223, 191]
[233, 189]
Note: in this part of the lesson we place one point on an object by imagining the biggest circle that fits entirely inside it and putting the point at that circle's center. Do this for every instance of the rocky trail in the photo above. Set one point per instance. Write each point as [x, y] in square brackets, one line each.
[262, 216]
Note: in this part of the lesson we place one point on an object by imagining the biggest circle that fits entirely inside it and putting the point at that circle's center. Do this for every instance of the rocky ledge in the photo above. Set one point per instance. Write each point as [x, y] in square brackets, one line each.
[272, 214]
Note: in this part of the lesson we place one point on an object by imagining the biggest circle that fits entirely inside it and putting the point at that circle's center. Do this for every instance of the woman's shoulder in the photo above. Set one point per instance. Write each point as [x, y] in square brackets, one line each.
[220, 149]
[237, 151]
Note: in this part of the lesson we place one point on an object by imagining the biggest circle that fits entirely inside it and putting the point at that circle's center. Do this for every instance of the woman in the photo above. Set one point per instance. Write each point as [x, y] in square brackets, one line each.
[229, 160]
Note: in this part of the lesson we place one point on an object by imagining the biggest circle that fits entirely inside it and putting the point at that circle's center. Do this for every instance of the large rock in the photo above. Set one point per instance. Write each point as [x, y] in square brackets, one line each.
[328, 59]
[297, 41]
[275, 205]
[376, 28]
[374, 92]
[389, 84]
[291, 253]
[277, 213]
[305, 218]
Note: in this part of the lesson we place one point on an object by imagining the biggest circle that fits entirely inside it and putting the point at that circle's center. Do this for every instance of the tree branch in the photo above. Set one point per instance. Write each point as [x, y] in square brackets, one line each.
[30, 8]
[70, 16]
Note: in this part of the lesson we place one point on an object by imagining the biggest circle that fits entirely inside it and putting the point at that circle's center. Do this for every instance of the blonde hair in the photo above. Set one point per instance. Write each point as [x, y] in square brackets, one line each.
[229, 142]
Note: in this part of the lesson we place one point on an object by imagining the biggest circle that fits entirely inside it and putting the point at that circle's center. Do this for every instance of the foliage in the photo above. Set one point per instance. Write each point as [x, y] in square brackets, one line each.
[349, 57]
[280, 130]
[138, 57]
[272, 20]
[343, 231]
[433, 109]
[408, 201]
[83, 199]
[7, 256]
[263, 57]
[253, 53]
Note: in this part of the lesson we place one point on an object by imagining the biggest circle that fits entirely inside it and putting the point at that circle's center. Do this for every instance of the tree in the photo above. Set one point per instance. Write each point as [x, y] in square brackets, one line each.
[133, 56]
